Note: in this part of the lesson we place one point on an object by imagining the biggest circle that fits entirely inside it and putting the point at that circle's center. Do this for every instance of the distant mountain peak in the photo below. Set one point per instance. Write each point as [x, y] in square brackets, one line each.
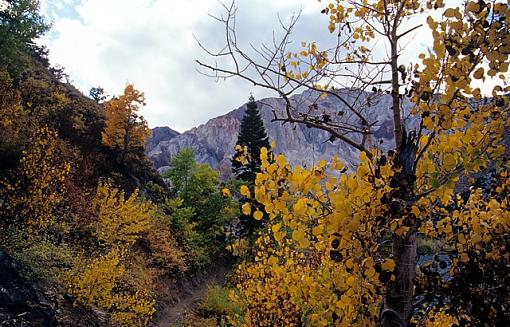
[214, 141]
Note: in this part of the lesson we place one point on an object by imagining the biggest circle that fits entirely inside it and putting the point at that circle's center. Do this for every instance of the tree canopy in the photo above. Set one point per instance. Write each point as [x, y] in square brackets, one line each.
[125, 130]
[20, 24]
[252, 135]
[342, 244]
[199, 208]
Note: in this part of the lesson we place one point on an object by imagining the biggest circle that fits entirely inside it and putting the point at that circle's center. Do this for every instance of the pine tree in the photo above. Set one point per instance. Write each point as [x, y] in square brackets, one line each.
[246, 160]
[252, 135]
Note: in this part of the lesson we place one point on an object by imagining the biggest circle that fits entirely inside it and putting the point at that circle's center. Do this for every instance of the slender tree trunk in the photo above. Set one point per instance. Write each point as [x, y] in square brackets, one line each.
[397, 121]
[398, 305]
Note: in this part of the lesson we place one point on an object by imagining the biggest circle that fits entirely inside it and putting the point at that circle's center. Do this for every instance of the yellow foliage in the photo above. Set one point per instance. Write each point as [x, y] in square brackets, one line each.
[440, 319]
[120, 221]
[98, 284]
[38, 189]
[14, 121]
[319, 261]
[125, 129]
[297, 277]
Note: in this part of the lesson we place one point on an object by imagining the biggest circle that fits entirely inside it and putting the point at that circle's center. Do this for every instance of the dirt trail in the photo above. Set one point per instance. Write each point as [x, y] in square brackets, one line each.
[170, 314]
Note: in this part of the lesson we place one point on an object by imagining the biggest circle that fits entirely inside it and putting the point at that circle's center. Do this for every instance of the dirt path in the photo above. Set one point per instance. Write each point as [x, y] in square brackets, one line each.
[170, 314]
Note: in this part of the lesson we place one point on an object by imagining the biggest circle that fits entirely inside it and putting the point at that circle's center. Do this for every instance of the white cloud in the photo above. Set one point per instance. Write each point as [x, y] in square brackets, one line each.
[150, 43]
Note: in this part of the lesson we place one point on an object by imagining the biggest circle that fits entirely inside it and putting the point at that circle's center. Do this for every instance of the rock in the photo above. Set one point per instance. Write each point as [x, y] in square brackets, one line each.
[20, 304]
[160, 134]
[24, 303]
[214, 141]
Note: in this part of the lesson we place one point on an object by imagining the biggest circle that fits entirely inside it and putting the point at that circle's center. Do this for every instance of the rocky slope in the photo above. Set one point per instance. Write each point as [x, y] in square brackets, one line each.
[214, 141]
[25, 303]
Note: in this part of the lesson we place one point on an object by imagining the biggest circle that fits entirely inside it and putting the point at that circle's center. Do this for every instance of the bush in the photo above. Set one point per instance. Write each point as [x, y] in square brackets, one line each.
[43, 259]
[193, 319]
[217, 302]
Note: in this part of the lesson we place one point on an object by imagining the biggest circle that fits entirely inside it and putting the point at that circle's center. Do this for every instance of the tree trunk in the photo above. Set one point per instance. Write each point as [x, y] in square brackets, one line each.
[398, 305]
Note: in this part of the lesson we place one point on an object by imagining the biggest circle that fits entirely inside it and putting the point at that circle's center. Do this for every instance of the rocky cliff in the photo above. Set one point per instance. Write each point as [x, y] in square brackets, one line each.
[214, 141]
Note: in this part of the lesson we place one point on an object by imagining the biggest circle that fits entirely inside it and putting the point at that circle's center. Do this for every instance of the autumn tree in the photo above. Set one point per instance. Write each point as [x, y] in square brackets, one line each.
[13, 123]
[125, 130]
[35, 192]
[121, 221]
[324, 249]
[98, 283]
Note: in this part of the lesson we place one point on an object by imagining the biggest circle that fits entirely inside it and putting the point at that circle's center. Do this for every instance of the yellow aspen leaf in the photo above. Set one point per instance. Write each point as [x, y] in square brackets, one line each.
[449, 13]
[416, 211]
[317, 230]
[245, 191]
[473, 7]
[246, 209]
[352, 183]
[258, 215]
[478, 74]
[363, 156]
[388, 265]
[226, 192]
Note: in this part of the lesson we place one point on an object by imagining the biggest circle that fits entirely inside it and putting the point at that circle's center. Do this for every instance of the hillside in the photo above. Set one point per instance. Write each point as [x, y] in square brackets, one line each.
[90, 235]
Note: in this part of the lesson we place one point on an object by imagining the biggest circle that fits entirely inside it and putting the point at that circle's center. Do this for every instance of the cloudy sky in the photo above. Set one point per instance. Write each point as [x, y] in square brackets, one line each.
[150, 43]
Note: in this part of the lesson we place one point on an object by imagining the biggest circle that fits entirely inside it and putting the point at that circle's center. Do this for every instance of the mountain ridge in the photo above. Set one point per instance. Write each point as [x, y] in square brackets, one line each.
[214, 140]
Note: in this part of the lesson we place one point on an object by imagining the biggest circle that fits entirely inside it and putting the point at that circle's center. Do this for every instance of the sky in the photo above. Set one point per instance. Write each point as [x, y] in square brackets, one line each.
[150, 43]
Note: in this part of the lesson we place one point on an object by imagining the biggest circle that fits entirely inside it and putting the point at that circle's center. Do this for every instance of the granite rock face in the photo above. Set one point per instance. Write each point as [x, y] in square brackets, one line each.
[214, 141]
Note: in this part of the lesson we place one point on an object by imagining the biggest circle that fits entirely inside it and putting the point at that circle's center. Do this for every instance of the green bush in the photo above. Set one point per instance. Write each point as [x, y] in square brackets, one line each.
[217, 302]
[44, 260]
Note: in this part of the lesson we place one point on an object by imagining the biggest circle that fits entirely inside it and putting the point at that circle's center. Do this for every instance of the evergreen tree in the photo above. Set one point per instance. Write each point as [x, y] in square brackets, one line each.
[252, 137]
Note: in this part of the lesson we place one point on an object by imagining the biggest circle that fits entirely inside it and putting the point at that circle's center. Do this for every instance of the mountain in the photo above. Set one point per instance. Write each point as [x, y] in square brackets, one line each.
[159, 135]
[214, 141]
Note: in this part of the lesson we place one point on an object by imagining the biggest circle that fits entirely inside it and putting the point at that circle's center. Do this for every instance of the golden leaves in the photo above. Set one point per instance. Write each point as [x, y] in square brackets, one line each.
[336, 223]
[97, 284]
[300, 208]
[125, 129]
[245, 191]
[246, 209]
[258, 215]
[226, 192]
[121, 221]
[473, 7]
[388, 265]
[479, 73]
[44, 171]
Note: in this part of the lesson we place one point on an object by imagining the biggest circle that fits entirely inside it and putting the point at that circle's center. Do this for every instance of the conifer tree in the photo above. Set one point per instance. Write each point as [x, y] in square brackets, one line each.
[252, 135]
[246, 160]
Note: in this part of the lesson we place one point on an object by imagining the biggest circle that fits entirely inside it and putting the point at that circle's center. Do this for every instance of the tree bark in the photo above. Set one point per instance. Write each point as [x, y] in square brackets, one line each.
[398, 305]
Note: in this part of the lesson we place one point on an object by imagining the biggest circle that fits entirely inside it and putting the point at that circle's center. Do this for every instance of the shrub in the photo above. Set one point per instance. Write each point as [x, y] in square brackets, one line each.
[217, 302]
